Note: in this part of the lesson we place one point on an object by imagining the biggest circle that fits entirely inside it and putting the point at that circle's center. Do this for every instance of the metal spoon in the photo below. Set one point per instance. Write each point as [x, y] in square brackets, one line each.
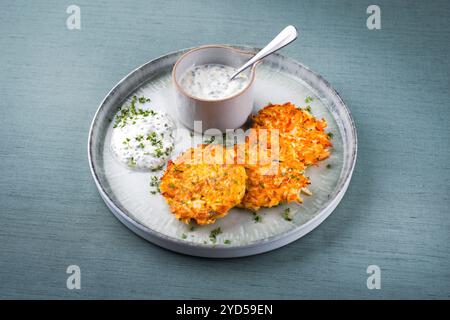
[285, 37]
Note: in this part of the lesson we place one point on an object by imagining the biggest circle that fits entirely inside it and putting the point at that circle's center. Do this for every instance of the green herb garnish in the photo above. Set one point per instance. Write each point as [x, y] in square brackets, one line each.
[159, 153]
[257, 218]
[176, 169]
[129, 113]
[287, 214]
[151, 136]
[214, 233]
[211, 140]
[154, 183]
[309, 99]
[143, 100]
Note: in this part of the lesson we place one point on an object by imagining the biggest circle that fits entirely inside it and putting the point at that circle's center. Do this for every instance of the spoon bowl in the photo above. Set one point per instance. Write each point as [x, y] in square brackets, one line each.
[233, 111]
[200, 114]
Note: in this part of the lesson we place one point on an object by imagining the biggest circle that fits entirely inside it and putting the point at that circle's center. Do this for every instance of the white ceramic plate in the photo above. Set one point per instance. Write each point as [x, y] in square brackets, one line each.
[278, 80]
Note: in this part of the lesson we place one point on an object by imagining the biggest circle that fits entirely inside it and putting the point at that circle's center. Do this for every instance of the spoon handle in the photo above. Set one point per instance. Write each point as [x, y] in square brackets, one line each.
[286, 36]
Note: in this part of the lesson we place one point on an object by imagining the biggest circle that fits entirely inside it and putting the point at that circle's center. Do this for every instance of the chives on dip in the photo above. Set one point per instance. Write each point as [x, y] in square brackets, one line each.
[212, 81]
[142, 138]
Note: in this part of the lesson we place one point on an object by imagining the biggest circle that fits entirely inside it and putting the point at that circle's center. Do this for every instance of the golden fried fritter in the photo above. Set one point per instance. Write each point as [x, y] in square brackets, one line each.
[301, 129]
[276, 176]
[203, 184]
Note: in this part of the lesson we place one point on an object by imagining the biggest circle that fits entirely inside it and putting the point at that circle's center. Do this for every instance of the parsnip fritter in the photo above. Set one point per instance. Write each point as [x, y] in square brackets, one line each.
[276, 177]
[300, 128]
[203, 183]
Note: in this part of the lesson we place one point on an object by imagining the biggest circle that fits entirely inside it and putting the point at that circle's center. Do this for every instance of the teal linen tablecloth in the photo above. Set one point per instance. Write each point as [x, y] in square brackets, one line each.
[395, 213]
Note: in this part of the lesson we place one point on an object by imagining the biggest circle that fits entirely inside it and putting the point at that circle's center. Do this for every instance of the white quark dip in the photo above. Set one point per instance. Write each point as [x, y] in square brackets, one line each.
[142, 138]
[212, 81]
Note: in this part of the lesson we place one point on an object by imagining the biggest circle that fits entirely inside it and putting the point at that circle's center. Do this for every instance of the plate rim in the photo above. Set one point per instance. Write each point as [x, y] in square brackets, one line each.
[221, 250]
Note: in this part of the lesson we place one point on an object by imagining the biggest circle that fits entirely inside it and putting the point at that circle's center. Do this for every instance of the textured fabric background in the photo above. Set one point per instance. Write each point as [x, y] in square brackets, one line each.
[395, 213]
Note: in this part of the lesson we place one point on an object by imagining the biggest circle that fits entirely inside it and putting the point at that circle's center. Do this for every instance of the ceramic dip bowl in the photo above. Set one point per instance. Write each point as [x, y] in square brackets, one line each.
[222, 114]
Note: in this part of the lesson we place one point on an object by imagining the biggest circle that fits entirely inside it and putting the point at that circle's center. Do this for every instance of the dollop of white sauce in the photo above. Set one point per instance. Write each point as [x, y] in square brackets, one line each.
[144, 142]
[212, 81]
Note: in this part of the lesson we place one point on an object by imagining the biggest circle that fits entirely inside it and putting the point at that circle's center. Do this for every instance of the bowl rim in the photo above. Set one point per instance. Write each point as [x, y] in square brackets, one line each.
[222, 250]
[208, 46]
